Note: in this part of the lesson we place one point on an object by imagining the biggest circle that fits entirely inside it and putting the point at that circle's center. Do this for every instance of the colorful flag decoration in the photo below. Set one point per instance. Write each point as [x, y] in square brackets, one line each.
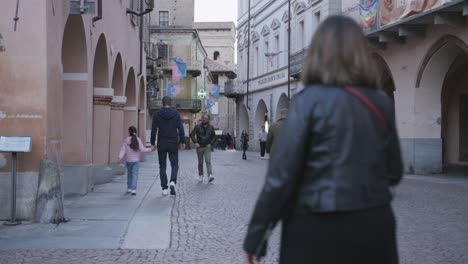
[216, 120]
[182, 66]
[170, 91]
[173, 90]
[215, 90]
[175, 74]
[208, 104]
[272, 55]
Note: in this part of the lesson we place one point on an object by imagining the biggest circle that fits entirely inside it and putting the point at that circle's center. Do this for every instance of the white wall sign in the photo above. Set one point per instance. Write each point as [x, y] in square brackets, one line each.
[270, 80]
[15, 144]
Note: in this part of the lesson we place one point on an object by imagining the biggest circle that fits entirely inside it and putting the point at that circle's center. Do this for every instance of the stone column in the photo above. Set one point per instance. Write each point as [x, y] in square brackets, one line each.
[116, 131]
[101, 125]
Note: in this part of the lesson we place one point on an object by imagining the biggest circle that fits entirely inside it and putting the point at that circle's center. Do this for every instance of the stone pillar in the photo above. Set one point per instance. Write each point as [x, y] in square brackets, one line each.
[116, 131]
[142, 127]
[101, 125]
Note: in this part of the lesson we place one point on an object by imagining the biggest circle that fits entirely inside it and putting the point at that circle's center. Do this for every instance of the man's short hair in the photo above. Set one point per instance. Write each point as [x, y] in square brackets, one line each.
[166, 101]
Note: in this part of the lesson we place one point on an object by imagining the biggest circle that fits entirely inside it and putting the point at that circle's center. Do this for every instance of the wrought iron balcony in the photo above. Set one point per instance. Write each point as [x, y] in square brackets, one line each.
[194, 105]
[297, 61]
[234, 88]
[193, 67]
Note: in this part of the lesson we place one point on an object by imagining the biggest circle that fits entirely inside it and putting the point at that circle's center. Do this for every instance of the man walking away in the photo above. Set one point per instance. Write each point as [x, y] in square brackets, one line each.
[274, 130]
[262, 137]
[203, 135]
[168, 125]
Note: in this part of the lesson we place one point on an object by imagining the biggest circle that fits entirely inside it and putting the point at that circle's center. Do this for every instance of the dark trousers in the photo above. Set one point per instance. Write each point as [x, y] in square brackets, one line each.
[163, 150]
[262, 148]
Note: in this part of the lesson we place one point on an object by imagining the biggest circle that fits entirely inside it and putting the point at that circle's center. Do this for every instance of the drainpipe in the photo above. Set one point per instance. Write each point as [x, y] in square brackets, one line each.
[289, 49]
[248, 57]
[99, 16]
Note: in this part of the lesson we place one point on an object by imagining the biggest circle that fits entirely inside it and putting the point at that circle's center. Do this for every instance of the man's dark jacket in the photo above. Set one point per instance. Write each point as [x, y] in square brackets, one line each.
[335, 155]
[168, 124]
[273, 134]
[203, 135]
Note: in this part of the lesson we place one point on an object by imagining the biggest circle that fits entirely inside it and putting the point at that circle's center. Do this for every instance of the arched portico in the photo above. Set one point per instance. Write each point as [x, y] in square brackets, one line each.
[441, 105]
[283, 103]
[130, 109]
[103, 95]
[261, 117]
[76, 125]
[117, 114]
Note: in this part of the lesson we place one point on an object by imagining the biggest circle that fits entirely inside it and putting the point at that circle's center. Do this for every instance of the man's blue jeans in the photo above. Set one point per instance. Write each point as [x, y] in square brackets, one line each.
[132, 175]
[163, 150]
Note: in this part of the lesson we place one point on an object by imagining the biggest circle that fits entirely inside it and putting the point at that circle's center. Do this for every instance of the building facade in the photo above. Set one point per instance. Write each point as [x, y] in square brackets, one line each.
[423, 57]
[173, 37]
[75, 91]
[262, 89]
[219, 39]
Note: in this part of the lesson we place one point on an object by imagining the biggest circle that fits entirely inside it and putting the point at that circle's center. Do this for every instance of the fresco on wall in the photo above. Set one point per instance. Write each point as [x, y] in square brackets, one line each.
[392, 11]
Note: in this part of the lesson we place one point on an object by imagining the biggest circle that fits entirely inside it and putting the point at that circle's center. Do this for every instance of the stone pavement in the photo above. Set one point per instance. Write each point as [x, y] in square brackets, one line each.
[209, 221]
[106, 218]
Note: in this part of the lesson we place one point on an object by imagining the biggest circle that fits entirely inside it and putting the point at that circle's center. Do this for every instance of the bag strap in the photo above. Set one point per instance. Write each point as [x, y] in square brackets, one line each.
[370, 105]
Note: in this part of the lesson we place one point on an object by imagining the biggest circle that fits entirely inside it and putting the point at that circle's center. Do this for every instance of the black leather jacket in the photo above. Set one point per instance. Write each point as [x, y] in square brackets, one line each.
[335, 155]
[203, 136]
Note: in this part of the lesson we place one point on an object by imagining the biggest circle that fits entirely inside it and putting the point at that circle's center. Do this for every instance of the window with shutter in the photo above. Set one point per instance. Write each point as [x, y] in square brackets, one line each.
[163, 18]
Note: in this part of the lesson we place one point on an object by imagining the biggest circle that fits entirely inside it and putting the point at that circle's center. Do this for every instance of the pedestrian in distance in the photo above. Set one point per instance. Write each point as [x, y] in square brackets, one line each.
[329, 176]
[244, 143]
[167, 124]
[229, 141]
[262, 138]
[203, 135]
[274, 130]
[131, 150]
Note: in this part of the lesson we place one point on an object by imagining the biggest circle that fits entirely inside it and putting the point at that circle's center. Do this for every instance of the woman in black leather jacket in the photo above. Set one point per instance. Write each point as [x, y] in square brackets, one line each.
[329, 178]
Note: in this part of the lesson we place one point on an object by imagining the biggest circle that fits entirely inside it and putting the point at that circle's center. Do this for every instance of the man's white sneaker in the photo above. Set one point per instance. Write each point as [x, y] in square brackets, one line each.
[172, 186]
[165, 192]
[129, 190]
[133, 192]
[200, 178]
[210, 178]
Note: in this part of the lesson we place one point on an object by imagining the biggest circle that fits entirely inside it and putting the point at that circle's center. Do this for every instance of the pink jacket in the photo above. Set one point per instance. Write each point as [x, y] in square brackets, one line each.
[130, 154]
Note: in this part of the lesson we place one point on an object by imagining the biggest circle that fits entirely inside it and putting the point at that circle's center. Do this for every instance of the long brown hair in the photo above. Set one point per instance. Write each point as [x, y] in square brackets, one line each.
[339, 56]
[132, 131]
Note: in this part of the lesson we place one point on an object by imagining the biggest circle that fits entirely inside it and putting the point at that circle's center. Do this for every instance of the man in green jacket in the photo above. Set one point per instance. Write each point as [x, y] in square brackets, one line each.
[274, 130]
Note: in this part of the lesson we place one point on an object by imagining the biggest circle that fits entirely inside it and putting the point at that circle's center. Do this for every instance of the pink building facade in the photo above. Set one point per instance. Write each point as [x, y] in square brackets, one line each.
[72, 84]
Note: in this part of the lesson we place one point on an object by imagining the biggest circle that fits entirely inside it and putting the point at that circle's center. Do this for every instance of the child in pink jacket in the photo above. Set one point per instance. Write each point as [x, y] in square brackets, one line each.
[132, 148]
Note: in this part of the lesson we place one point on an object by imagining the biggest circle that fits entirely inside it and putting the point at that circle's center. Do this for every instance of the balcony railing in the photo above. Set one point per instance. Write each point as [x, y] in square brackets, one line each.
[194, 67]
[297, 62]
[194, 105]
[234, 88]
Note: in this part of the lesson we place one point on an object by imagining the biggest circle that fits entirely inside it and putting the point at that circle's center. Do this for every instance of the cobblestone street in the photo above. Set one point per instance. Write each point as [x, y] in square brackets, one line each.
[209, 221]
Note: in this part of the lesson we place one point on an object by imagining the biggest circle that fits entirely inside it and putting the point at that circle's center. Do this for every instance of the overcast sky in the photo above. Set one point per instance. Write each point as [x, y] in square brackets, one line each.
[215, 10]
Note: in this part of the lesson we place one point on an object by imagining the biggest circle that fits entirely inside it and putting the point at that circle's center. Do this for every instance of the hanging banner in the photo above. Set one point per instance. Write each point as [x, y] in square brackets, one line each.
[215, 89]
[181, 66]
[369, 13]
[173, 90]
[392, 11]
